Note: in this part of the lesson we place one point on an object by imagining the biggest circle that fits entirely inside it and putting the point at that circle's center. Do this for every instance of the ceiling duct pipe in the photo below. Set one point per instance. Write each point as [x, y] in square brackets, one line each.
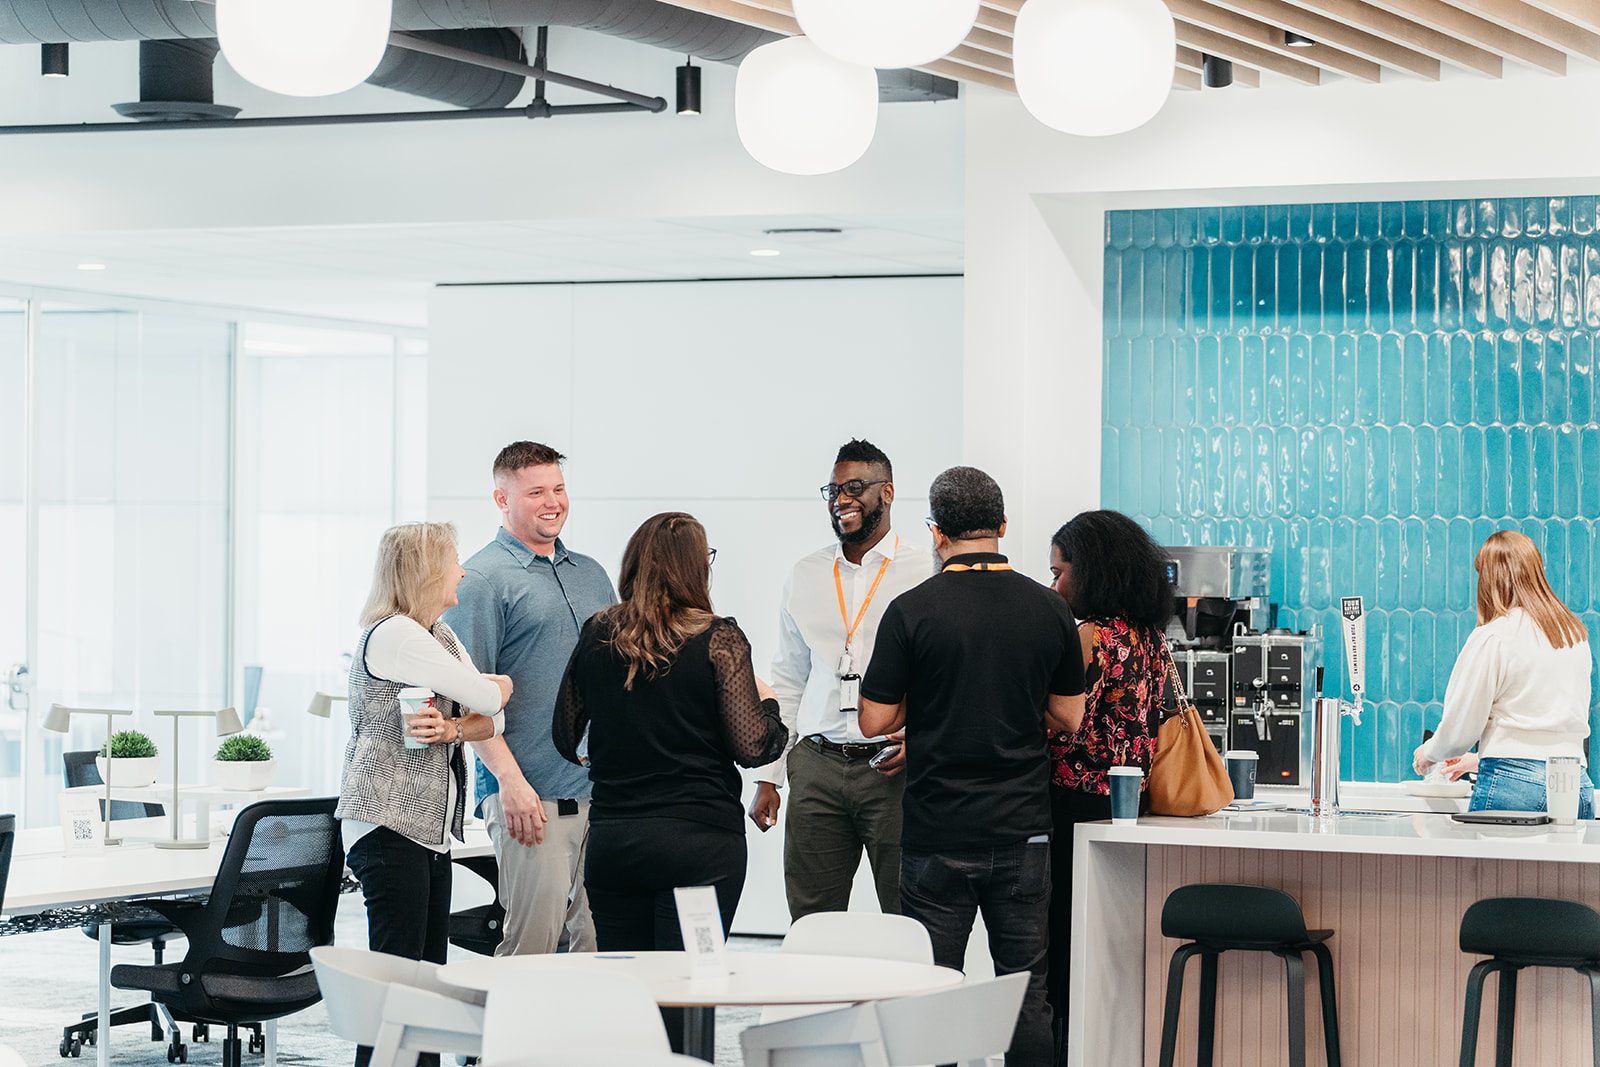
[451, 81]
[175, 83]
[646, 21]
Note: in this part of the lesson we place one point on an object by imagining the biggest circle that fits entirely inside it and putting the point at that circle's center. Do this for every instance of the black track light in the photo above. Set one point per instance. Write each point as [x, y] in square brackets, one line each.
[688, 88]
[53, 60]
[1218, 72]
[1297, 40]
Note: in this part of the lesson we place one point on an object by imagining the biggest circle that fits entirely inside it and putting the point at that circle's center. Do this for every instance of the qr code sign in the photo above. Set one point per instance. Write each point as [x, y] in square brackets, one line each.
[703, 941]
[82, 829]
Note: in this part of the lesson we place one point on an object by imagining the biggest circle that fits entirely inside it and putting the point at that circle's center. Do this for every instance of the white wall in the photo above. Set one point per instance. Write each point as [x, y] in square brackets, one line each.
[724, 399]
[1035, 203]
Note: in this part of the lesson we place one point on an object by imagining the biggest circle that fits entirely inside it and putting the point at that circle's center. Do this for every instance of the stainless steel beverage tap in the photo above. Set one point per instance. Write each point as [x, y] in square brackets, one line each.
[1328, 717]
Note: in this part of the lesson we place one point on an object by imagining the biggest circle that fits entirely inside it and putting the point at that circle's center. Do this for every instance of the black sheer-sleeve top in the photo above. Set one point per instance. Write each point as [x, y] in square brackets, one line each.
[668, 747]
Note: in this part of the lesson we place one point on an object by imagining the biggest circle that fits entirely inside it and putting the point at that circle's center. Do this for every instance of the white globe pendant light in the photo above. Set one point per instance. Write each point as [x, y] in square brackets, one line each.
[1094, 67]
[800, 111]
[303, 47]
[886, 33]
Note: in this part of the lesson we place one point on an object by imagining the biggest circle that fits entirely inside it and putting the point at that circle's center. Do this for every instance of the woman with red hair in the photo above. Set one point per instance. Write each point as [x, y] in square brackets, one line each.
[1520, 688]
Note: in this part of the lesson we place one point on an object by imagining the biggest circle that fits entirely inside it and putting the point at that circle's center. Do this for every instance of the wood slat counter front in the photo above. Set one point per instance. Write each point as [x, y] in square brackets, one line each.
[1393, 887]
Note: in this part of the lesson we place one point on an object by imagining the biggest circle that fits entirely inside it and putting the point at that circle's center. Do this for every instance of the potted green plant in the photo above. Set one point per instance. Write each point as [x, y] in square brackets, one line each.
[132, 763]
[243, 762]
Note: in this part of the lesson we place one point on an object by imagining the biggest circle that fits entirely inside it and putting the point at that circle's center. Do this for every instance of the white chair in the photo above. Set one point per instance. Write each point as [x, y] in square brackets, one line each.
[396, 1005]
[966, 1024]
[573, 1017]
[869, 934]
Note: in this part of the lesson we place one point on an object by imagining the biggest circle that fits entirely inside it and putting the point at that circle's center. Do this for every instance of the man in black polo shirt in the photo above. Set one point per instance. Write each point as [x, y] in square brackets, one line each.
[976, 663]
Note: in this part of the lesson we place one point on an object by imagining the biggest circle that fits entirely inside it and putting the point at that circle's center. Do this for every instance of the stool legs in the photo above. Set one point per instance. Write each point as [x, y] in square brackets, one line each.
[1594, 1011]
[1505, 1029]
[1207, 1045]
[1330, 1007]
[1169, 1018]
[1294, 966]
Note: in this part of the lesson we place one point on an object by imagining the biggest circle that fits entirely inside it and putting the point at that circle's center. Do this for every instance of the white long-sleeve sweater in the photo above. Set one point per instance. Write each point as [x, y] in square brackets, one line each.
[1515, 695]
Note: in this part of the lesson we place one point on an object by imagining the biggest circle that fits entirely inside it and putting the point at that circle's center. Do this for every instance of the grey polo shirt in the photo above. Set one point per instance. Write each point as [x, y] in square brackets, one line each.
[519, 614]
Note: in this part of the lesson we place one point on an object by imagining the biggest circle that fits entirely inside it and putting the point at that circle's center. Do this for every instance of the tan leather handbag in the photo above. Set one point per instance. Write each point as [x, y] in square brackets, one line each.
[1187, 774]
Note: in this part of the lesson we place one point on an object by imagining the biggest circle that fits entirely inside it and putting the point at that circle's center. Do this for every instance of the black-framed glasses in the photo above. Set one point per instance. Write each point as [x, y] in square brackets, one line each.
[711, 556]
[853, 488]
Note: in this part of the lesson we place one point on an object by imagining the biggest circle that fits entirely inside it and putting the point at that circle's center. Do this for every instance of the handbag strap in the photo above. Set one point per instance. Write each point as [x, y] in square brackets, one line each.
[1181, 696]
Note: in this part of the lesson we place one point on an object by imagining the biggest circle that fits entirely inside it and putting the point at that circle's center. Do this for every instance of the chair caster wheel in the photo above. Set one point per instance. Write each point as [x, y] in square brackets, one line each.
[177, 1052]
[258, 1044]
[91, 1037]
[201, 1032]
[75, 1049]
[65, 1049]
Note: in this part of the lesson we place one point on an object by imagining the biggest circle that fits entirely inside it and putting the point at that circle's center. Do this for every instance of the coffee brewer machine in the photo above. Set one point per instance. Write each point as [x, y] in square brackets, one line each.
[1250, 681]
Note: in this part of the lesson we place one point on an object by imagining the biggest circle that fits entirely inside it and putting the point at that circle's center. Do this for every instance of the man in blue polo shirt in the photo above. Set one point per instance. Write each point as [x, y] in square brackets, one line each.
[975, 663]
[520, 607]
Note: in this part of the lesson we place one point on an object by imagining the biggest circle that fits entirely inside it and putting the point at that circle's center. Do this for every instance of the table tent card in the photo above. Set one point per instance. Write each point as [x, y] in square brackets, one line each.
[80, 822]
[700, 919]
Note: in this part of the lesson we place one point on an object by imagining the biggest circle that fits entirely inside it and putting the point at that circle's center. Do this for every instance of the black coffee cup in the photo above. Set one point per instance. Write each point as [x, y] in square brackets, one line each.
[1242, 772]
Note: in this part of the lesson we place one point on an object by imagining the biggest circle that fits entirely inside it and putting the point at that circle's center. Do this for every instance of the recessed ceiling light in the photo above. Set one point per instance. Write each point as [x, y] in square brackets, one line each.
[765, 252]
[91, 266]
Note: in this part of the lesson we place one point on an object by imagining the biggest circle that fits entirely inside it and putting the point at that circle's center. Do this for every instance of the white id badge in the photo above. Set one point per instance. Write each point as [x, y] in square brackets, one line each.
[846, 663]
[850, 693]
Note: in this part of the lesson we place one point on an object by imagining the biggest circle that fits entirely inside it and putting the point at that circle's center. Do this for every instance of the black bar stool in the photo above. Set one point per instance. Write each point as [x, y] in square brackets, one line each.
[1518, 932]
[1215, 918]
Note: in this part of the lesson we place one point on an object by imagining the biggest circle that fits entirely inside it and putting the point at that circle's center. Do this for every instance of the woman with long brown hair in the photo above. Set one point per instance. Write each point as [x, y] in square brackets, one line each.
[1520, 688]
[665, 692]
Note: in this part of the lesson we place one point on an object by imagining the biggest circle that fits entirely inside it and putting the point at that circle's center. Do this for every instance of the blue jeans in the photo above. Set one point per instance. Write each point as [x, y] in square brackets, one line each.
[1010, 885]
[1518, 785]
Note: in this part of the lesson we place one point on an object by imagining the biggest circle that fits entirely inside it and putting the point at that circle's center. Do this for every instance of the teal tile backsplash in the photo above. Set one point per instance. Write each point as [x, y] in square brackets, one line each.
[1369, 390]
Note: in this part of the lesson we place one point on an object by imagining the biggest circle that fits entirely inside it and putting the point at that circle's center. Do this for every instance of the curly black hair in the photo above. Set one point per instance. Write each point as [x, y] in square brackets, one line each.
[1116, 569]
[860, 450]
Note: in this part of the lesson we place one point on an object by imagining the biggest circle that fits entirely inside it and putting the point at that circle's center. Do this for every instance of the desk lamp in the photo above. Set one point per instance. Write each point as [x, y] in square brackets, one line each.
[59, 719]
[322, 704]
[227, 723]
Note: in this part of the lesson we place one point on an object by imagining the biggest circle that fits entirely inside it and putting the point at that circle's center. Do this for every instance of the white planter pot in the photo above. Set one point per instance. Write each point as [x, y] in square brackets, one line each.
[128, 773]
[243, 775]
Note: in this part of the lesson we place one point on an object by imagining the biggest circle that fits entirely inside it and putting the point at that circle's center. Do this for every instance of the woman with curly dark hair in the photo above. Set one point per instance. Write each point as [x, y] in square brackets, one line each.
[1114, 577]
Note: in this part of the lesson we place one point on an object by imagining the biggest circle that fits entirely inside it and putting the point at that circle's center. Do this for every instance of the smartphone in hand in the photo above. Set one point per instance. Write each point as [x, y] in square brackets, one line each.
[884, 756]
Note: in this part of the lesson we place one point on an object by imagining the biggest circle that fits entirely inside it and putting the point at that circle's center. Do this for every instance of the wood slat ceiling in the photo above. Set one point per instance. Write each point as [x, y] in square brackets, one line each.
[1368, 40]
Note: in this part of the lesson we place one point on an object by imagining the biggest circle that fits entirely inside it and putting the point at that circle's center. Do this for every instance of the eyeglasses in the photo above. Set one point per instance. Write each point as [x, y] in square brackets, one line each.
[711, 556]
[853, 488]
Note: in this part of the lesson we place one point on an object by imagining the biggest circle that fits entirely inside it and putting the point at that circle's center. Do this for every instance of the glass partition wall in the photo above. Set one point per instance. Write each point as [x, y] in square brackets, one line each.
[189, 502]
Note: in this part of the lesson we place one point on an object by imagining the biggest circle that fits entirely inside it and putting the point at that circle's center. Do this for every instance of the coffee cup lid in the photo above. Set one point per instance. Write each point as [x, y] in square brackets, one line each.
[1242, 753]
[416, 693]
[1126, 770]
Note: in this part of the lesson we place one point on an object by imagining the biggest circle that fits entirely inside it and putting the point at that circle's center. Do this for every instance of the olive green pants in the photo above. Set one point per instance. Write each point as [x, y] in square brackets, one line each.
[836, 808]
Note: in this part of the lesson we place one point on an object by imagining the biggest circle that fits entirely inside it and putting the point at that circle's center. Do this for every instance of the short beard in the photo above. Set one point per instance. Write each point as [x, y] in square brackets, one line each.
[870, 521]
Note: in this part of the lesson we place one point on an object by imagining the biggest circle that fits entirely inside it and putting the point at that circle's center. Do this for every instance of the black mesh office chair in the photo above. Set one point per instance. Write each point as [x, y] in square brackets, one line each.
[81, 771]
[249, 958]
[8, 838]
[480, 929]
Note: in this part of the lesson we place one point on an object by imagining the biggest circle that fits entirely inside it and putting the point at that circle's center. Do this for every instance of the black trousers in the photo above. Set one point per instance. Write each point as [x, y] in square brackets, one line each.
[632, 868]
[1068, 807]
[407, 892]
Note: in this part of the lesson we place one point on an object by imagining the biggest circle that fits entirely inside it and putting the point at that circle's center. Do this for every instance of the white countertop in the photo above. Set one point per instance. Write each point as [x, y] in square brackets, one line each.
[1400, 834]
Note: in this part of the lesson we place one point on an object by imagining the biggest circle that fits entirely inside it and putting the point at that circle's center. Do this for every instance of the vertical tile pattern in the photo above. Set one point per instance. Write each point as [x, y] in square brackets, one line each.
[1369, 390]
[1399, 974]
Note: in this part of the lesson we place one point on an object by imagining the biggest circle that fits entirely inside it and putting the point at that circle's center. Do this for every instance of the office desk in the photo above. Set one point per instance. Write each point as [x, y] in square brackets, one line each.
[49, 889]
[201, 796]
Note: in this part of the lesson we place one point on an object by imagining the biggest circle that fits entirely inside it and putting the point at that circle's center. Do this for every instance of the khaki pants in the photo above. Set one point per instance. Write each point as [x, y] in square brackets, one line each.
[837, 807]
[541, 885]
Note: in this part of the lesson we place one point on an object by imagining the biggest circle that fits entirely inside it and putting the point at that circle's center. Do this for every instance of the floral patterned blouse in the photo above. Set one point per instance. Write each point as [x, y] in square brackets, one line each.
[1127, 683]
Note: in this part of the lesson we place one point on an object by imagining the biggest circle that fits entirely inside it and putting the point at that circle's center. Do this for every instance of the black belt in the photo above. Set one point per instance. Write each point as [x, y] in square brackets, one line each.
[865, 750]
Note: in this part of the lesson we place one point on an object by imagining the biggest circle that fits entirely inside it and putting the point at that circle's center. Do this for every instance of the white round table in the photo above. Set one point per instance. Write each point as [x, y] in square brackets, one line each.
[755, 978]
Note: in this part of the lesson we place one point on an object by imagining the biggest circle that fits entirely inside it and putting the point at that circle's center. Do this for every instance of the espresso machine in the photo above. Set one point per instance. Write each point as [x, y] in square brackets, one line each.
[1251, 681]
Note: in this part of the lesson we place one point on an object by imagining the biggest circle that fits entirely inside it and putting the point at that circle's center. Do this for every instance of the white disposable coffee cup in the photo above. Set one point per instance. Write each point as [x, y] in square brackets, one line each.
[1124, 785]
[1562, 777]
[412, 701]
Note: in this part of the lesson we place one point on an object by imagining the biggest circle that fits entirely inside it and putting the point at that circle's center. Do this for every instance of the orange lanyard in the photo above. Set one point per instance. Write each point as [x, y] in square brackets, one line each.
[844, 615]
[979, 567]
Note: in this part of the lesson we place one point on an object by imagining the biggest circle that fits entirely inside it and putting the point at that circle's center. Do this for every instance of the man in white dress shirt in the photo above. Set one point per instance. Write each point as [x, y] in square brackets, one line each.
[839, 803]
